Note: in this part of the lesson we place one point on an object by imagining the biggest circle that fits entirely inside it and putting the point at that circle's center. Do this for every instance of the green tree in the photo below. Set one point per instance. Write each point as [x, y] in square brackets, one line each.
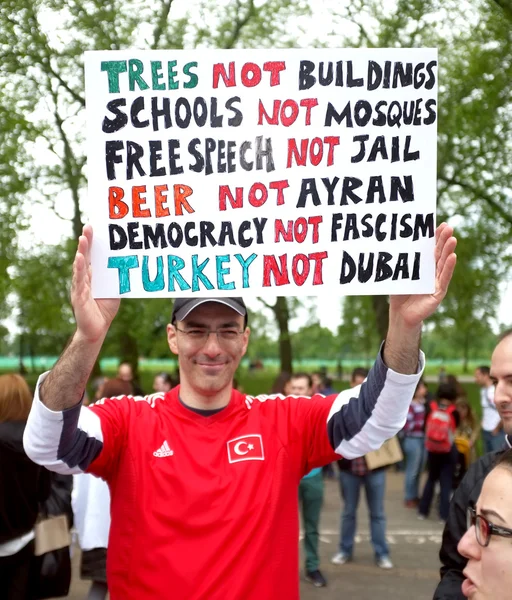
[43, 65]
[358, 334]
[471, 303]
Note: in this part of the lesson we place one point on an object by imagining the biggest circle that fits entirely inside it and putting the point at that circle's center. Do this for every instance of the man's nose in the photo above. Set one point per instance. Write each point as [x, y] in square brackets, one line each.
[211, 346]
[501, 393]
[468, 546]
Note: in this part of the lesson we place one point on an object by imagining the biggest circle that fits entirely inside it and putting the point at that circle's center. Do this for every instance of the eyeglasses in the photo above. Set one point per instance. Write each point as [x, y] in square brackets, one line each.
[199, 337]
[484, 529]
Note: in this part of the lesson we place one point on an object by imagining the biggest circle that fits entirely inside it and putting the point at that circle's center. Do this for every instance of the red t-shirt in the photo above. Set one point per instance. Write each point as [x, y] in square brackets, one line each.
[206, 508]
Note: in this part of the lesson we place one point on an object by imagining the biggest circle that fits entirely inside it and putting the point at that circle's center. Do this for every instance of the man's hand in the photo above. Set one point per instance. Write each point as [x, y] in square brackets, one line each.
[412, 310]
[93, 316]
[407, 313]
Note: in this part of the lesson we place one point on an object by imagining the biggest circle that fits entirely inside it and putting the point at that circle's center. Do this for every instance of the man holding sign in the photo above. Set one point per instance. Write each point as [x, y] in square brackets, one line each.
[204, 479]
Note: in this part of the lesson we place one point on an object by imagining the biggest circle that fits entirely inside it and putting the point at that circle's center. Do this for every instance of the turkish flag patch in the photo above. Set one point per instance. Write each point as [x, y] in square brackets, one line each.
[246, 447]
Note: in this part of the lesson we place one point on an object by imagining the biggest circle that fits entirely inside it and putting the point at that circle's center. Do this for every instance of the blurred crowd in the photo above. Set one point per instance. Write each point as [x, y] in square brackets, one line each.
[441, 437]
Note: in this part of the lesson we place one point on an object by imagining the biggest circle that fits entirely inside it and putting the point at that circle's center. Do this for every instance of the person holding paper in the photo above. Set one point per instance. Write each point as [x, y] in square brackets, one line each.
[204, 479]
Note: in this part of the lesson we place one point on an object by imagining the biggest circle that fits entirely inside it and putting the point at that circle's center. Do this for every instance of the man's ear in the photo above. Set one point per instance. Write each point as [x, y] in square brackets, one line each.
[172, 338]
[245, 337]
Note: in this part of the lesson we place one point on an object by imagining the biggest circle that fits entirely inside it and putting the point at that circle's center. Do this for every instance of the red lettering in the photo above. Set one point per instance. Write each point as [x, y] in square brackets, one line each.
[315, 221]
[315, 156]
[225, 192]
[138, 199]
[219, 70]
[331, 141]
[255, 201]
[255, 77]
[161, 209]
[181, 193]
[279, 186]
[275, 67]
[293, 152]
[270, 267]
[309, 103]
[318, 258]
[286, 235]
[289, 120]
[263, 113]
[300, 229]
[300, 278]
[117, 209]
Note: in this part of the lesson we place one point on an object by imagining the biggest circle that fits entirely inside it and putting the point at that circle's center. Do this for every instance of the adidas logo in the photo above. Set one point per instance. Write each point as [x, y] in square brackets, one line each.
[164, 450]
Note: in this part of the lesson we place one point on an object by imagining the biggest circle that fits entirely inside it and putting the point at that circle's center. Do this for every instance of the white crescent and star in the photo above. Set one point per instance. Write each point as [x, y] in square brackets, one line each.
[238, 448]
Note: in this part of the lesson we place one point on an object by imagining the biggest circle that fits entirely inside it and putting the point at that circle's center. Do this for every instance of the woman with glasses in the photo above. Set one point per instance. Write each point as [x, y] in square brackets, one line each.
[487, 543]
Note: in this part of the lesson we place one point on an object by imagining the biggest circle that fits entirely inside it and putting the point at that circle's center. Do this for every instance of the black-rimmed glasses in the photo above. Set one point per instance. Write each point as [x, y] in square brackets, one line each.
[484, 528]
[199, 337]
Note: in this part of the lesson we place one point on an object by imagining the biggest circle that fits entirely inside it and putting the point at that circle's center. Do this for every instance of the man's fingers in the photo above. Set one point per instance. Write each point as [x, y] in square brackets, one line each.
[448, 248]
[446, 274]
[443, 233]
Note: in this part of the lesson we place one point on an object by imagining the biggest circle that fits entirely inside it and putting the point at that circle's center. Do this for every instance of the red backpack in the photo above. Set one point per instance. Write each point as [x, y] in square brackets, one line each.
[439, 431]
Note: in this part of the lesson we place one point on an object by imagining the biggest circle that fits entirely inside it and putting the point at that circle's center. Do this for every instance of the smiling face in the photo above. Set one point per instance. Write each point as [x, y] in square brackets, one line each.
[488, 572]
[207, 366]
[501, 375]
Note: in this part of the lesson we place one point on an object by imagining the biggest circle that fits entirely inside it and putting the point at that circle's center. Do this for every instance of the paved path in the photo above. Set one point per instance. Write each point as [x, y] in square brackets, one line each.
[414, 545]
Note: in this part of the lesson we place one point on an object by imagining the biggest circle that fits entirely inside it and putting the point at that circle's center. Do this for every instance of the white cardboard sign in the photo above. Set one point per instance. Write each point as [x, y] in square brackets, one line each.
[262, 172]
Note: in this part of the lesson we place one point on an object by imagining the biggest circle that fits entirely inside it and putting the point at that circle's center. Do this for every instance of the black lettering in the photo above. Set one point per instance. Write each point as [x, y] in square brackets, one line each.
[308, 188]
[198, 166]
[174, 169]
[154, 238]
[182, 121]
[112, 157]
[364, 273]
[383, 270]
[155, 154]
[406, 190]
[133, 234]
[174, 235]
[348, 268]
[122, 239]
[205, 232]
[306, 80]
[133, 154]
[329, 186]
[331, 113]
[237, 118]
[165, 112]
[425, 224]
[362, 151]
[137, 105]
[200, 112]
[349, 185]
[121, 119]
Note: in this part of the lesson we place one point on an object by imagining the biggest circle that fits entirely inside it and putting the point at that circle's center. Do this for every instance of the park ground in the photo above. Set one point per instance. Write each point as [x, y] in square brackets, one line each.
[414, 550]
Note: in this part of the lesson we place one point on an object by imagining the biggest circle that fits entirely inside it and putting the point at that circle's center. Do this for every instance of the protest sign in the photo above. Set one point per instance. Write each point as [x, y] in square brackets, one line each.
[262, 172]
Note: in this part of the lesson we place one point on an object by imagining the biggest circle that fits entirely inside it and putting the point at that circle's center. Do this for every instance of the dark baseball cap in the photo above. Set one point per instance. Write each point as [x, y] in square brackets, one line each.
[183, 306]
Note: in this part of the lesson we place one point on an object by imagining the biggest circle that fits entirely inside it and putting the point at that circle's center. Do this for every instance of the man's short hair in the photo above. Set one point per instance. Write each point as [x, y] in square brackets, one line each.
[302, 375]
[484, 369]
[359, 372]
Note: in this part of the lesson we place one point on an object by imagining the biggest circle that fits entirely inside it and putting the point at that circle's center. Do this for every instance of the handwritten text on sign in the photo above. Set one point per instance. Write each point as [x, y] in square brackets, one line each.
[283, 172]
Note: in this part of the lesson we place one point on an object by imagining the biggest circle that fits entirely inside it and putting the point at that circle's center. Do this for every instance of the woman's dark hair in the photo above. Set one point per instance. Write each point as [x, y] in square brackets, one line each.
[447, 391]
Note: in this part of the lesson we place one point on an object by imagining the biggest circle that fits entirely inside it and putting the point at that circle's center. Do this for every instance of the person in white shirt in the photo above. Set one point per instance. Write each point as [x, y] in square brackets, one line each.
[492, 427]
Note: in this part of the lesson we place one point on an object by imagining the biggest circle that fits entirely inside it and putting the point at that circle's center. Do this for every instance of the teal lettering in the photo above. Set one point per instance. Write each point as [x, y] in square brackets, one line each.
[113, 68]
[156, 75]
[245, 264]
[135, 69]
[222, 271]
[173, 85]
[157, 284]
[193, 77]
[123, 264]
[198, 275]
[175, 264]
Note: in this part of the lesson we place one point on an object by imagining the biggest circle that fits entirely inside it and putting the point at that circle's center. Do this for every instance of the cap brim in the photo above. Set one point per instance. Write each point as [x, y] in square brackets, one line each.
[190, 306]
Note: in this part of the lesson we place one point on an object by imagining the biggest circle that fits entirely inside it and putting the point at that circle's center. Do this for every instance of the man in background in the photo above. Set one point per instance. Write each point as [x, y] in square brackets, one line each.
[492, 429]
[311, 496]
[354, 474]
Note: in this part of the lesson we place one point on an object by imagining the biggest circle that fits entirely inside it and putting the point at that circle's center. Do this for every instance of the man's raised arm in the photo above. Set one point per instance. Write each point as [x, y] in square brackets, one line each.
[63, 387]
[363, 418]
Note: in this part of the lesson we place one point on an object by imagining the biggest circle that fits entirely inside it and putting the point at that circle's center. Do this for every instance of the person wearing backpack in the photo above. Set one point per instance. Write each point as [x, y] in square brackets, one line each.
[441, 424]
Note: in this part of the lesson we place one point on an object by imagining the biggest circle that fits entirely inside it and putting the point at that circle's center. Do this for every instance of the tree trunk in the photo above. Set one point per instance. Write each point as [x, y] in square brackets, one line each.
[465, 358]
[282, 314]
[381, 308]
